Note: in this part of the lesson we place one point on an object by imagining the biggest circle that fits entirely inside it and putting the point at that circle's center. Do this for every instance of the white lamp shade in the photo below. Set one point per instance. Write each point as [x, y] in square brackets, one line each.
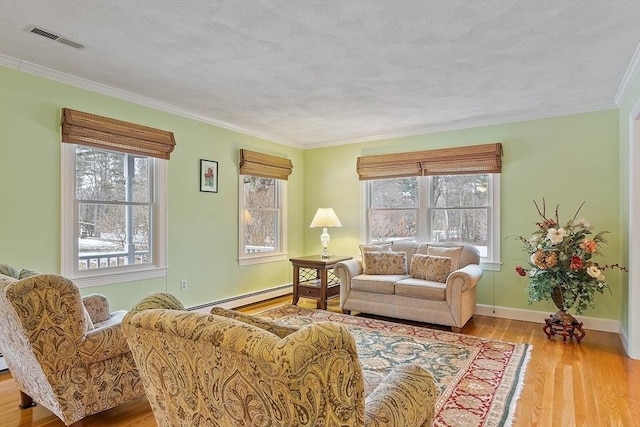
[325, 217]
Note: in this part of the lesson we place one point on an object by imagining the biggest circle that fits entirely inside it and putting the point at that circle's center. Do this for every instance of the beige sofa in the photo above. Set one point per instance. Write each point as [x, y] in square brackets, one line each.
[428, 289]
[230, 369]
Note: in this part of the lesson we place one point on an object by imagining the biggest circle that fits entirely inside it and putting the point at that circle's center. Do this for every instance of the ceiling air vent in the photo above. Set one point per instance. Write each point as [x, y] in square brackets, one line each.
[53, 36]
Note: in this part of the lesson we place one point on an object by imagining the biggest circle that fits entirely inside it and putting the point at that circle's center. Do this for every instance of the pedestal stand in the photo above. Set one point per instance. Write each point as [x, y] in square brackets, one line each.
[565, 325]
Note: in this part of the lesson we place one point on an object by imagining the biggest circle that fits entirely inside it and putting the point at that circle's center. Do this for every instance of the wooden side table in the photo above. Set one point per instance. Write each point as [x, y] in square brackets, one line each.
[313, 278]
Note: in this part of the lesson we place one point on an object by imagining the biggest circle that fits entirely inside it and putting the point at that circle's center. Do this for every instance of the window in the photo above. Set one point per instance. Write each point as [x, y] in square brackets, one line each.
[113, 199]
[113, 216]
[440, 208]
[262, 219]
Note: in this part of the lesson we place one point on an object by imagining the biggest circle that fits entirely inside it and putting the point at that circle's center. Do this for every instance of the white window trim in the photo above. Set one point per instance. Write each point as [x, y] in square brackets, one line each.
[283, 226]
[490, 263]
[69, 239]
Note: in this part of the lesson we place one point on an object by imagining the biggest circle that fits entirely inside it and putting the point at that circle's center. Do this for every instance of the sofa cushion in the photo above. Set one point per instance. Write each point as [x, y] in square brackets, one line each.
[428, 267]
[418, 288]
[385, 262]
[379, 247]
[453, 252]
[381, 284]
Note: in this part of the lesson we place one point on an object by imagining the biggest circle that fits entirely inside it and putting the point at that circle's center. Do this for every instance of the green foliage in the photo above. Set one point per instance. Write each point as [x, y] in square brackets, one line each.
[561, 265]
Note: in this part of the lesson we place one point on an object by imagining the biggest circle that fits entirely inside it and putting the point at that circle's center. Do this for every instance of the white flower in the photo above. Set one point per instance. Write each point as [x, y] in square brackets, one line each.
[581, 222]
[594, 271]
[556, 236]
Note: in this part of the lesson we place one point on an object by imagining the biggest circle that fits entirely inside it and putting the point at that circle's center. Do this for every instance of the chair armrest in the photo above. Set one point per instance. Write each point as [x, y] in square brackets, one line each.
[97, 306]
[280, 330]
[406, 397]
[102, 343]
[158, 300]
[325, 377]
[463, 279]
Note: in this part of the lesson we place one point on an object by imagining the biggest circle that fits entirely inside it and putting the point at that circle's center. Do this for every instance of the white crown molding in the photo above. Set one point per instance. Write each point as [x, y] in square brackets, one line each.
[506, 119]
[593, 323]
[72, 80]
[629, 77]
[100, 88]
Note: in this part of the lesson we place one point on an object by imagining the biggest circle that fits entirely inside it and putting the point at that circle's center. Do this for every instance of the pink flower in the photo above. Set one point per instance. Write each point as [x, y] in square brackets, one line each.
[576, 263]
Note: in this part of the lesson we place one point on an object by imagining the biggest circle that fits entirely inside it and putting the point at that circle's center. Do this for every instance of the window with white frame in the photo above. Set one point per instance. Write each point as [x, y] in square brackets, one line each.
[114, 221]
[113, 188]
[439, 208]
[262, 219]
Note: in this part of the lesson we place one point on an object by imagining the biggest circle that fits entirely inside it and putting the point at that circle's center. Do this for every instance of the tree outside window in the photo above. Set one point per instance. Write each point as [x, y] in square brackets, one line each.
[441, 208]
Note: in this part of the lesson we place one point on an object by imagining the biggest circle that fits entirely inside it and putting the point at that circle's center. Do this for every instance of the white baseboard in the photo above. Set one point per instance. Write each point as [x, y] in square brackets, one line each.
[593, 323]
[245, 299]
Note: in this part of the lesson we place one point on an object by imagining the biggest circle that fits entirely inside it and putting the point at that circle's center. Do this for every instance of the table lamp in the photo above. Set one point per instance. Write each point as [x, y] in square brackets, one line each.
[325, 218]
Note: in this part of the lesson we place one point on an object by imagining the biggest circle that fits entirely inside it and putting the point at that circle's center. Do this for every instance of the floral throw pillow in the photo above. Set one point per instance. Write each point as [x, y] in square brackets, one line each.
[379, 247]
[384, 262]
[430, 267]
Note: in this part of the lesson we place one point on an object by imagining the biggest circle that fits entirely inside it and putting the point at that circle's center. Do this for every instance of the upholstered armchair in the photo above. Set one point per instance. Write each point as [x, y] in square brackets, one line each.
[65, 352]
[228, 369]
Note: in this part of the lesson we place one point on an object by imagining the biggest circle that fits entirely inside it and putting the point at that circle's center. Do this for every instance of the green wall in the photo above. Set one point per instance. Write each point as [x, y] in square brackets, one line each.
[202, 227]
[566, 160]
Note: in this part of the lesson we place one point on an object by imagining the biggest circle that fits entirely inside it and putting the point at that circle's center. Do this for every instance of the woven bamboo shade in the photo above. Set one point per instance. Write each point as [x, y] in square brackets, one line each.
[111, 134]
[473, 159]
[264, 165]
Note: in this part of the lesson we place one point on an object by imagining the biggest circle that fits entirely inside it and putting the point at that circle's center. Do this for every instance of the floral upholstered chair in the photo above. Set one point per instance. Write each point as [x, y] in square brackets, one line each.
[65, 352]
[228, 369]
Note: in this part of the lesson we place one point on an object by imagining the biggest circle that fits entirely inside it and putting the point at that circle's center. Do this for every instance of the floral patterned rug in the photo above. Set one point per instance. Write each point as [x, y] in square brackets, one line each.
[479, 380]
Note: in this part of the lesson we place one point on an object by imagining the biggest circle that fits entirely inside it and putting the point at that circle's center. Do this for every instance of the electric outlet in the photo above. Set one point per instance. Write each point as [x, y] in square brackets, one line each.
[183, 284]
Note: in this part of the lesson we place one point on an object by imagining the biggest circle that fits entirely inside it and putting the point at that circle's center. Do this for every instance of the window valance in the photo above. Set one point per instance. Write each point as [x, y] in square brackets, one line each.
[264, 165]
[473, 159]
[111, 134]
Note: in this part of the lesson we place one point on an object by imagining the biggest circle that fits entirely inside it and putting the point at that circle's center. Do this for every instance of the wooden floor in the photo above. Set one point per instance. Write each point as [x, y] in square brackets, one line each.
[590, 384]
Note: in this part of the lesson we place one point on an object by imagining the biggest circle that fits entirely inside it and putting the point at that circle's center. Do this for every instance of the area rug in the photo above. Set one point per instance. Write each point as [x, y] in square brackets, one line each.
[479, 380]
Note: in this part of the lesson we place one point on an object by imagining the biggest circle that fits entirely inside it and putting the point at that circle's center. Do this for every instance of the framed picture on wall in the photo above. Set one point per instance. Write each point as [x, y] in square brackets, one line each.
[208, 176]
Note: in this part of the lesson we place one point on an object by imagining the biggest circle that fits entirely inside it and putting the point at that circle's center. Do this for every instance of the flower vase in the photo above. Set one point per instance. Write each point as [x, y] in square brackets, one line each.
[562, 322]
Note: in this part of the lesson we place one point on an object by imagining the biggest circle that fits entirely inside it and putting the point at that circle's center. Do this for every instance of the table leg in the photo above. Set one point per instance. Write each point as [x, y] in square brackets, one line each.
[296, 282]
[323, 288]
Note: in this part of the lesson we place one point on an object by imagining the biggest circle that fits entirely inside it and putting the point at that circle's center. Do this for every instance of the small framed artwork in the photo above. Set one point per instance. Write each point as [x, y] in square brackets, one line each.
[208, 176]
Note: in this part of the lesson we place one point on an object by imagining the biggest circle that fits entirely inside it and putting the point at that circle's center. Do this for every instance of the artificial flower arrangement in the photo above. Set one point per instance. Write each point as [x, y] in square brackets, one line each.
[561, 265]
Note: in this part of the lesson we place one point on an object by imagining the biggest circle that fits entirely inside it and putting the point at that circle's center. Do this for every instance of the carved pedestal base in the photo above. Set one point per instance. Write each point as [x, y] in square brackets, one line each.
[565, 325]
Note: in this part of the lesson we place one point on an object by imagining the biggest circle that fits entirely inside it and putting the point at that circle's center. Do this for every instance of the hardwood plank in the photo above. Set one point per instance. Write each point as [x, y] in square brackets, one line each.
[568, 384]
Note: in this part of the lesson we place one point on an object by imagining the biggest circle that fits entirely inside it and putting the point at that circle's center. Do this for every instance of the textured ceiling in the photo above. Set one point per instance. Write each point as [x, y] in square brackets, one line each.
[309, 73]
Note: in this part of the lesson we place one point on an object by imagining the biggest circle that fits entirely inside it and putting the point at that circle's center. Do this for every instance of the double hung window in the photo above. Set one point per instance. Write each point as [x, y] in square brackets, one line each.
[113, 206]
[421, 204]
[262, 208]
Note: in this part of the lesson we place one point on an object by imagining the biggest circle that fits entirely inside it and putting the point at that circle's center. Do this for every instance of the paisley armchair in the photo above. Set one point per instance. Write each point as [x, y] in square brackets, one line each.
[230, 369]
[64, 352]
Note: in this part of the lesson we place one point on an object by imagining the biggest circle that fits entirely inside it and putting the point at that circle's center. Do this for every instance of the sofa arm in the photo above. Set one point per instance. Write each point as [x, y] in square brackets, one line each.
[463, 279]
[345, 270]
[406, 397]
[103, 343]
[280, 330]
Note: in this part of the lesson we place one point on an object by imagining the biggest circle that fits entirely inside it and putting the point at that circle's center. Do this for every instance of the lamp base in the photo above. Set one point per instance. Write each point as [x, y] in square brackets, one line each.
[325, 253]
